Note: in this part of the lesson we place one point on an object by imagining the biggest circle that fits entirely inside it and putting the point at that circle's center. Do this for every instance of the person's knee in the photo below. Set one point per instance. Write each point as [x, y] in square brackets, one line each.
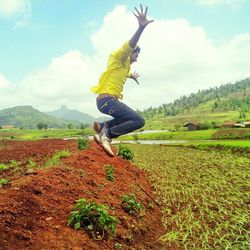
[140, 122]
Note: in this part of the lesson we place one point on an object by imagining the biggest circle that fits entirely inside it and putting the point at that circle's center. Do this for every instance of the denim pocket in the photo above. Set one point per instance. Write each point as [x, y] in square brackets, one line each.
[107, 105]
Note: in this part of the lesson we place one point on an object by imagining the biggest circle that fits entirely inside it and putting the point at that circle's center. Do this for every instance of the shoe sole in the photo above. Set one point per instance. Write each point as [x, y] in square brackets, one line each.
[99, 142]
[111, 154]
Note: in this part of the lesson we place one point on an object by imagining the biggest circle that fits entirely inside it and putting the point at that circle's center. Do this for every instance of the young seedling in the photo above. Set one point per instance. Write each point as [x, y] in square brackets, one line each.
[94, 218]
[109, 172]
[129, 204]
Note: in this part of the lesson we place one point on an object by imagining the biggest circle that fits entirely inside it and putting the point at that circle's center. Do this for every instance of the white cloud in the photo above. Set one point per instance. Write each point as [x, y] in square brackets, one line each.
[4, 83]
[232, 3]
[9, 8]
[176, 59]
[18, 11]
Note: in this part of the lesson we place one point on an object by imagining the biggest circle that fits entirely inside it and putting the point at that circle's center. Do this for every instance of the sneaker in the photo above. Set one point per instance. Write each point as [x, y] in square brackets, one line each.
[97, 138]
[97, 127]
[106, 144]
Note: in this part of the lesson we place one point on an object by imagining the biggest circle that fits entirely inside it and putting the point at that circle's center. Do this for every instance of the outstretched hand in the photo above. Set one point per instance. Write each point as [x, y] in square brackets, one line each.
[142, 17]
[134, 76]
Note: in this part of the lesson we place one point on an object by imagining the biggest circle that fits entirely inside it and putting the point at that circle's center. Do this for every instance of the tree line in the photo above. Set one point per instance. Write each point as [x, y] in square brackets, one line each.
[235, 97]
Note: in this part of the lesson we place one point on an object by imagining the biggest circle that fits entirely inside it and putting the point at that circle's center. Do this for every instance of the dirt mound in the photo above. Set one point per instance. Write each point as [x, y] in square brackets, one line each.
[34, 208]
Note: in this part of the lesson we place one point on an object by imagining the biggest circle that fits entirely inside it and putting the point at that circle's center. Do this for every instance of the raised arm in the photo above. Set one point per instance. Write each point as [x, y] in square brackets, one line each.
[143, 22]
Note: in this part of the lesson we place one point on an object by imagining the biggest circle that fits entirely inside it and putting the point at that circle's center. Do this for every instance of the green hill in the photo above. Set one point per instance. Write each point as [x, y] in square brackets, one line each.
[229, 102]
[28, 117]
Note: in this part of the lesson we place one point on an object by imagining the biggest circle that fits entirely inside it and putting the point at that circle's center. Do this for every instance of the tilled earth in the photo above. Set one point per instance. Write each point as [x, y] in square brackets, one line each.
[36, 202]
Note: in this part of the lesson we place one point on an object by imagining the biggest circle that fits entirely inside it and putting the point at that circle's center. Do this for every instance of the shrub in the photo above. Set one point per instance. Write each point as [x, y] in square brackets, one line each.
[125, 152]
[82, 143]
[129, 203]
[92, 217]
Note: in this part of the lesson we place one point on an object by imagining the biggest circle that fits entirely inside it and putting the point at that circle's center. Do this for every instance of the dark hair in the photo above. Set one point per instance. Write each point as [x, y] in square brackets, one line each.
[137, 49]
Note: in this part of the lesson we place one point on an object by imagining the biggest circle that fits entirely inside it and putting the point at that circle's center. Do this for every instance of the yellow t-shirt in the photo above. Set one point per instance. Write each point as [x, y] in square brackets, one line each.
[113, 79]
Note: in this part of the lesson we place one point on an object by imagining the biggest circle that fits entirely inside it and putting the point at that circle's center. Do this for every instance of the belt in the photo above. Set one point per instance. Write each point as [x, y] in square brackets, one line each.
[104, 95]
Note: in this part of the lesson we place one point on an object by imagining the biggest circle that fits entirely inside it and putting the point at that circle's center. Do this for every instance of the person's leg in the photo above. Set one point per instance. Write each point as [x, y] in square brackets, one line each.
[125, 119]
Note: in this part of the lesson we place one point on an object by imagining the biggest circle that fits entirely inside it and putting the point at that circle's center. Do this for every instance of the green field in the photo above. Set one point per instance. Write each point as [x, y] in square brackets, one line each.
[204, 195]
[193, 135]
[35, 134]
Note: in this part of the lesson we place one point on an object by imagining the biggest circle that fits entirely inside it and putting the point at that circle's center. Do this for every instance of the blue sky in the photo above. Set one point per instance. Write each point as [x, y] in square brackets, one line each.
[53, 51]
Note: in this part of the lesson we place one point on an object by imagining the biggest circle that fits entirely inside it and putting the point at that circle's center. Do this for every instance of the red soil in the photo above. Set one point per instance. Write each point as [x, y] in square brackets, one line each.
[35, 205]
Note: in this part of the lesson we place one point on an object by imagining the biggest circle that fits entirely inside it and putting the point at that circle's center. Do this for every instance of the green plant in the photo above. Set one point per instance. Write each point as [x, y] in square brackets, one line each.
[3, 182]
[92, 217]
[109, 172]
[129, 203]
[125, 153]
[3, 166]
[82, 143]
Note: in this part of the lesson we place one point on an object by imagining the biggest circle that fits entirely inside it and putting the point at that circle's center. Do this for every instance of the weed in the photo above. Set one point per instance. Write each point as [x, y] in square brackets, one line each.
[3, 182]
[129, 203]
[92, 217]
[125, 152]
[109, 172]
[82, 143]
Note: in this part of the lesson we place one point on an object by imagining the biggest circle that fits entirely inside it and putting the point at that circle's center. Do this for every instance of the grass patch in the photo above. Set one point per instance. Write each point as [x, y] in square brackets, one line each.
[205, 195]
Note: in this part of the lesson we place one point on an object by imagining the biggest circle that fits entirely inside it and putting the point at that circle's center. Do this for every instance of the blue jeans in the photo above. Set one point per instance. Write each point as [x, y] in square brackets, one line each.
[125, 119]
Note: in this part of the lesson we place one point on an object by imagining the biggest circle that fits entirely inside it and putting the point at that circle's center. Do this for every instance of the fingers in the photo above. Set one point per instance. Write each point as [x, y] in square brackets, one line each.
[141, 8]
[135, 15]
[138, 13]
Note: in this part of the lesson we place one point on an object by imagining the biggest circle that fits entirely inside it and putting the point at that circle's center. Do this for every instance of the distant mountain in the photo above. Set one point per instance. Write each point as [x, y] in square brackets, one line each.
[28, 117]
[74, 115]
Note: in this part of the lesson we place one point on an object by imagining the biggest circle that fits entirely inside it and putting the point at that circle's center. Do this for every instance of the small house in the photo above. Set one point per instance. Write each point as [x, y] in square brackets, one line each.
[191, 126]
